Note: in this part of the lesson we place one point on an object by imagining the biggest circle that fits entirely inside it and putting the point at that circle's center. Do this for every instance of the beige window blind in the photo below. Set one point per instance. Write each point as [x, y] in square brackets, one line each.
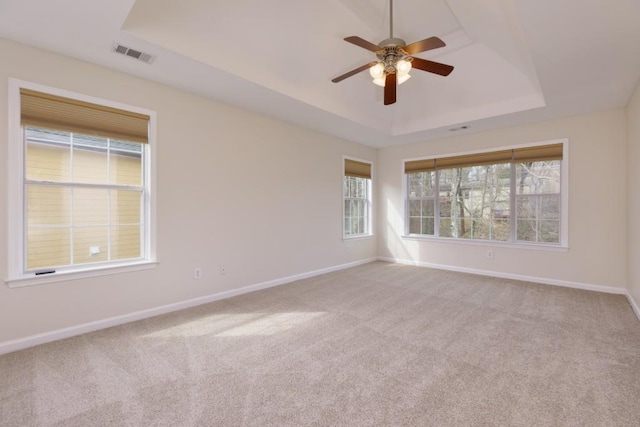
[70, 115]
[539, 153]
[357, 169]
[520, 155]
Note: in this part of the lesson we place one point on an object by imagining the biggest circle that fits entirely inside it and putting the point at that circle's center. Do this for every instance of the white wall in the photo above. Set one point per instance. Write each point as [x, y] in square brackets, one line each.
[633, 180]
[597, 204]
[259, 196]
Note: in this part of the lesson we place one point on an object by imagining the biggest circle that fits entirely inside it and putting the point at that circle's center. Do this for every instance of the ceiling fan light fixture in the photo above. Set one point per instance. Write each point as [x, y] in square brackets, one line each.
[380, 81]
[377, 71]
[403, 66]
[403, 78]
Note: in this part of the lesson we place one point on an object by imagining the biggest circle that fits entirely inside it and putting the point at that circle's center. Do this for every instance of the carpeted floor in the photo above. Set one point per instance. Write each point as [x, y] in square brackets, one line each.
[379, 344]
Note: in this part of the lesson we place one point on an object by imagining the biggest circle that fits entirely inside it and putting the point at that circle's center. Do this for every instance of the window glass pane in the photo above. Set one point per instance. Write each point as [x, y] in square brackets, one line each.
[90, 244]
[360, 225]
[427, 207]
[538, 201]
[125, 169]
[445, 227]
[421, 184]
[414, 225]
[421, 204]
[125, 206]
[445, 207]
[500, 230]
[549, 231]
[90, 206]
[48, 206]
[47, 162]
[415, 208]
[89, 159]
[474, 200]
[526, 230]
[527, 206]
[427, 226]
[48, 247]
[549, 207]
[125, 242]
[538, 177]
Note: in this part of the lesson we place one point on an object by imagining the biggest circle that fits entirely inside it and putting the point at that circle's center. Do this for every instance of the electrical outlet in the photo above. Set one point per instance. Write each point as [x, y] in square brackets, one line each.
[197, 273]
[223, 270]
[489, 254]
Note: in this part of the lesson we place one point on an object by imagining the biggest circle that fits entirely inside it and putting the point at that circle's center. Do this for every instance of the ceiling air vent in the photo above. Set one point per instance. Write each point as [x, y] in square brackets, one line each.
[135, 54]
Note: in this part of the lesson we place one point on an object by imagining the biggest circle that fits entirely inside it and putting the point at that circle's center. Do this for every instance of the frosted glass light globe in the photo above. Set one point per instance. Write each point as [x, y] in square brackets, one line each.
[377, 70]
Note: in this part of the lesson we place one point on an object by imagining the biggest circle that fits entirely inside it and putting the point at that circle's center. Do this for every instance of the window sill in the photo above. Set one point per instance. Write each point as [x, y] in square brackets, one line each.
[531, 246]
[61, 276]
[357, 237]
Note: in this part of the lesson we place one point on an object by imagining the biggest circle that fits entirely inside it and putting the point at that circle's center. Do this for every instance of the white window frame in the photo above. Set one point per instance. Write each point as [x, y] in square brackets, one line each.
[563, 245]
[370, 228]
[17, 276]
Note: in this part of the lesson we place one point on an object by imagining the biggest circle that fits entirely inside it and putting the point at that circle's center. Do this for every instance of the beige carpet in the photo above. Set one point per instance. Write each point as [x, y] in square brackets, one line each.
[379, 344]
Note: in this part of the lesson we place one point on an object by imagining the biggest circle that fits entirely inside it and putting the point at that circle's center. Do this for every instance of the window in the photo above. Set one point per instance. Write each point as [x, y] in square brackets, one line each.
[357, 198]
[83, 186]
[511, 196]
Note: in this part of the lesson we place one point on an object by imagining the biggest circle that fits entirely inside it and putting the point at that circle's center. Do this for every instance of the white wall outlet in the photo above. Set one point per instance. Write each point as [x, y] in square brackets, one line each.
[223, 270]
[197, 273]
[489, 254]
[94, 250]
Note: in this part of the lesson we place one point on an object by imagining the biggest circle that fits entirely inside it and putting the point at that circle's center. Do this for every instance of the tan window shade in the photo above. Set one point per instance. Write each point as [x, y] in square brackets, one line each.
[59, 113]
[420, 166]
[478, 159]
[359, 169]
[539, 153]
[528, 154]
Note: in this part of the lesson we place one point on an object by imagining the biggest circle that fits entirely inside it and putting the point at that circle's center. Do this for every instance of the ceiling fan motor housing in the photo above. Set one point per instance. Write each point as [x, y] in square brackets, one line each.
[392, 42]
[391, 54]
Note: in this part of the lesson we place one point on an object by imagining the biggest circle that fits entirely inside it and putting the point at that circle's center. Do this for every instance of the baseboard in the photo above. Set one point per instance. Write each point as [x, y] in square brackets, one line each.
[33, 340]
[634, 305]
[542, 280]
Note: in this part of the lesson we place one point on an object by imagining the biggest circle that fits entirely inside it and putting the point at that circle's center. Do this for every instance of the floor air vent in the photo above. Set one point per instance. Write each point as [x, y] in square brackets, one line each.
[135, 54]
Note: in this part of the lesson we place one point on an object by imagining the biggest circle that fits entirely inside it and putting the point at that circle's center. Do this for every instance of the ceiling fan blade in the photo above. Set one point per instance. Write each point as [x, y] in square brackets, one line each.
[432, 67]
[353, 72]
[363, 43]
[424, 45]
[390, 86]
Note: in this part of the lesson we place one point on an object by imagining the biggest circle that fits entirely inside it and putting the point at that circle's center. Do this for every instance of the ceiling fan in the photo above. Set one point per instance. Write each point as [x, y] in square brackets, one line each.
[395, 60]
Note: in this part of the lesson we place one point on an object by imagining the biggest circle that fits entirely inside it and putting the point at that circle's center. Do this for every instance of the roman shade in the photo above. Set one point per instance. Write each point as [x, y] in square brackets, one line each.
[357, 169]
[538, 153]
[70, 115]
[519, 155]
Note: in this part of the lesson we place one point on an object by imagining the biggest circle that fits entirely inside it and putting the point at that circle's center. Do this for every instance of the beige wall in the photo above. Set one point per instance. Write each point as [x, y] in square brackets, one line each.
[597, 204]
[633, 180]
[259, 196]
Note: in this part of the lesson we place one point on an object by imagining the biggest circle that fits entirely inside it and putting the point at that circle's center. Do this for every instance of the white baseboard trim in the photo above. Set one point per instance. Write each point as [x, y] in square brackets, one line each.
[634, 305]
[542, 280]
[33, 340]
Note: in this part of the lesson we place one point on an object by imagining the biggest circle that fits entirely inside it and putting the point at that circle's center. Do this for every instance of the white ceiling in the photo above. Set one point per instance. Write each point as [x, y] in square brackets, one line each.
[515, 61]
